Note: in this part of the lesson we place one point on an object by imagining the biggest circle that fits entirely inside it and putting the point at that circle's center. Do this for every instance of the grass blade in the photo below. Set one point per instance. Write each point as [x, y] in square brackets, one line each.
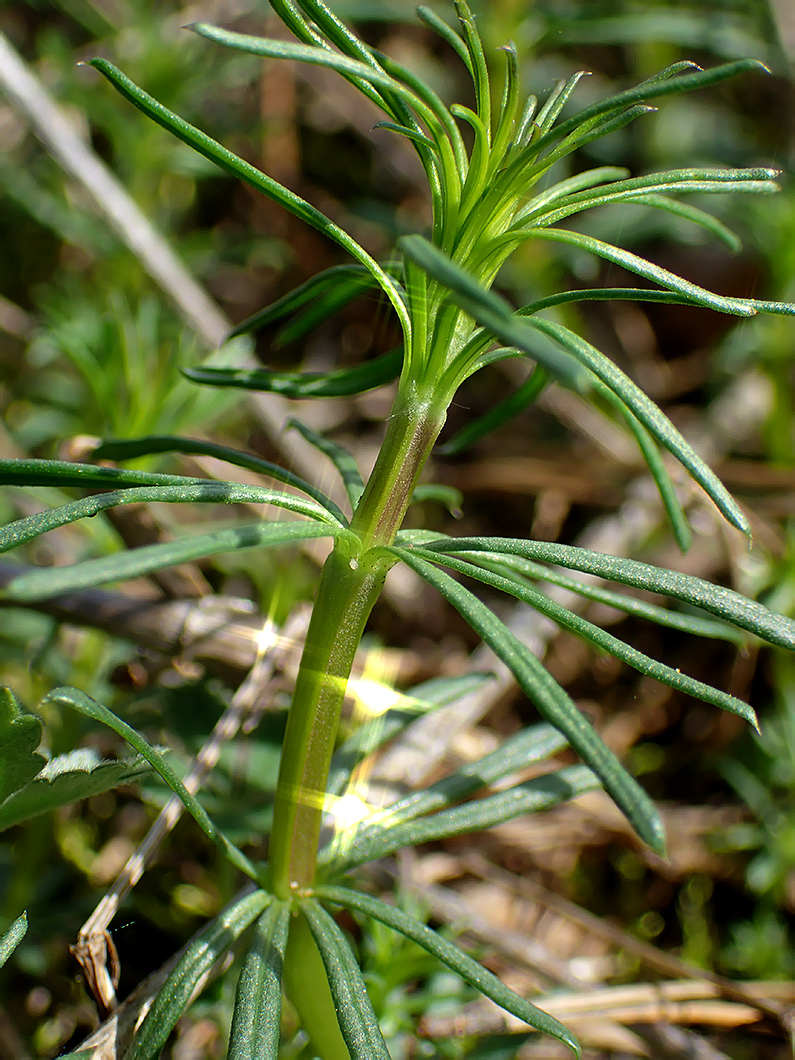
[469, 970]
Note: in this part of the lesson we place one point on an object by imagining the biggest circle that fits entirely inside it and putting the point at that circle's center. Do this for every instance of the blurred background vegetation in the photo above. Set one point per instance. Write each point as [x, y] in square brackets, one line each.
[91, 345]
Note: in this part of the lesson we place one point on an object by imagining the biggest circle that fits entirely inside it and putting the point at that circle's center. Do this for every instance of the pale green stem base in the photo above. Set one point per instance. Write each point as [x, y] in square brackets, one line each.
[306, 984]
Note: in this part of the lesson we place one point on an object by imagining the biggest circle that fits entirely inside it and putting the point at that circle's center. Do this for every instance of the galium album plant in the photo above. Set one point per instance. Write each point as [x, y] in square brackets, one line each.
[489, 171]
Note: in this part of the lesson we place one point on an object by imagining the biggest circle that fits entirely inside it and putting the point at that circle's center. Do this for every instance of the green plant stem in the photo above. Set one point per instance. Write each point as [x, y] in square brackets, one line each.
[413, 427]
[306, 984]
[349, 587]
[346, 593]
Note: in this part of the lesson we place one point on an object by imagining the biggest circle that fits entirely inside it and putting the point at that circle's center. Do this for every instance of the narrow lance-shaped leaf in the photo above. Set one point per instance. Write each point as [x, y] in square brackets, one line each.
[550, 699]
[90, 708]
[532, 796]
[499, 414]
[449, 496]
[342, 460]
[658, 470]
[353, 846]
[408, 706]
[606, 294]
[477, 64]
[340, 382]
[693, 214]
[744, 307]
[358, 1022]
[129, 449]
[655, 421]
[470, 971]
[349, 280]
[340, 36]
[597, 636]
[258, 1002]
[224, 158]
[557, 100]
[508, 107]
[726, 604]
[694, 625]
[10, 939]
[446, 32]
[413, 92]
[32, 526]
[678, 180]
[51, 581]
[175, 994]
[654, 88]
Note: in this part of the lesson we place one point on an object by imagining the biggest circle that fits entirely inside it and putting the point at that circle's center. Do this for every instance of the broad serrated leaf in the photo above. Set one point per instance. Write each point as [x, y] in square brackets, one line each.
[358, 1023]
[175, 994]
[258, 1002]
[68, 779]
[551, 700]
[469, 970]
[20, 735]
[90, 708]
[10, 939]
